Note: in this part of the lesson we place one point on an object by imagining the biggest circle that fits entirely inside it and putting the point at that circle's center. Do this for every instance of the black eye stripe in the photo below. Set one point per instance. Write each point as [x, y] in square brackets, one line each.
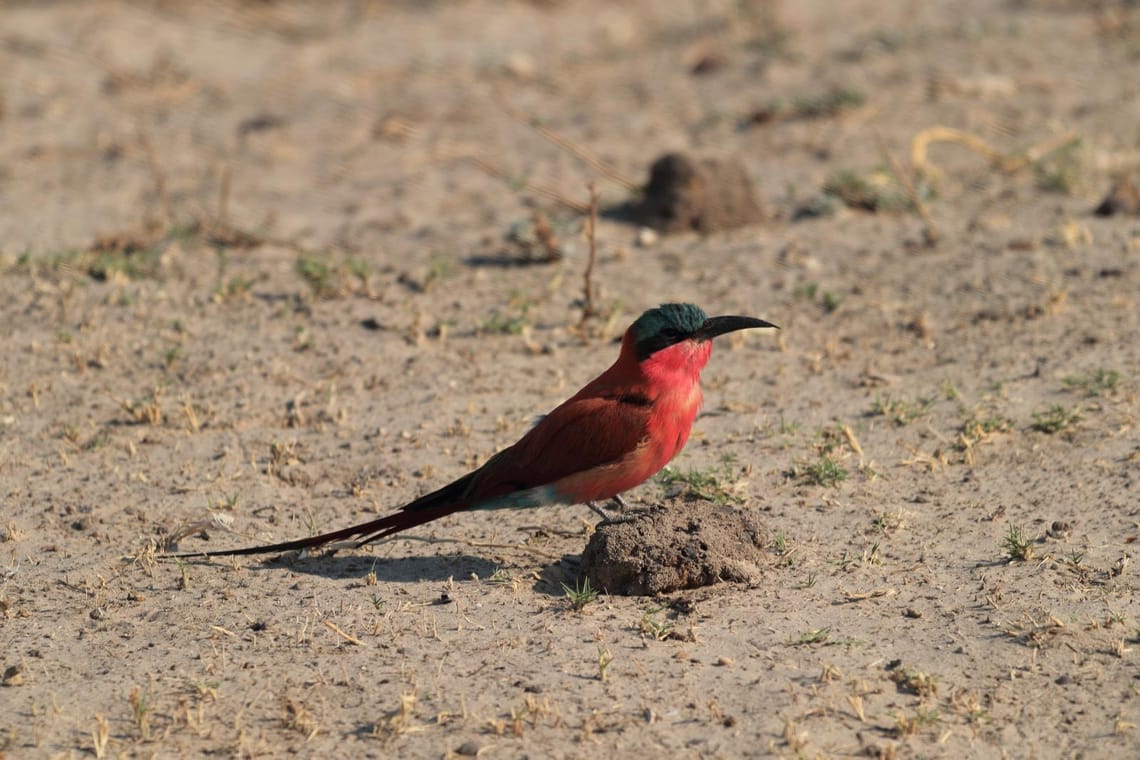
[646, 347]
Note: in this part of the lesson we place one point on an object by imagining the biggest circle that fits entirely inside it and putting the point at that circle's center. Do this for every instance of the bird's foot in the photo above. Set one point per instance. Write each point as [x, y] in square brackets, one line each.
[630, 515]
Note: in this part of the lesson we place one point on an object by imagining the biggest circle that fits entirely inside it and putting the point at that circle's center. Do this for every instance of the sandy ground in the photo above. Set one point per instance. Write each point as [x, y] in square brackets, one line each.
[259, 276]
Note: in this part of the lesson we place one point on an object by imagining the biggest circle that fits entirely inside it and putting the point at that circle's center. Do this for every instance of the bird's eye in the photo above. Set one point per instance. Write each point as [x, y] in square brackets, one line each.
[672, 333]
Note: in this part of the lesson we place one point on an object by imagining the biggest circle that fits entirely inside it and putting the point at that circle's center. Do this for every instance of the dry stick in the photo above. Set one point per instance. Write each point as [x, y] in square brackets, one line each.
[548, 192]
[338, 631]
[224, 196]
[1007, 163]
[930, 231]
[159, 178]
[591, 228]
[597, 164]
[921, 141]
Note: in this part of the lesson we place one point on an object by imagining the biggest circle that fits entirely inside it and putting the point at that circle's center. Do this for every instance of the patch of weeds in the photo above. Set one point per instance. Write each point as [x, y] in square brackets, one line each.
[361, 269]
[807, 583]
[817, 636]
[788, 428]
[828, 300]
[915, 682]
[875, 192]
[580, 595]
[605, 658]
[295, 716]
[141, 711]
[441, 268]
[234, 289]
[302, 340]
[902, 412]
[1038, 632]
[1099, 382]
[656, 628]
[499, 323]
[830, 439]
[1017, 545]
[826, 472]
[504, 579]
[978, 427]
[96, 442]
[784, 549]
[968, 705]
[828, 104]
[888, 522]
[713, 484]
[398, 721]
[1056, 419]
[114, 257]
[171, 355]
[147, 411]
[1060, 172]
[910, 726]
[100, 736]
[871, 556]
[816, 106]
[319, 271]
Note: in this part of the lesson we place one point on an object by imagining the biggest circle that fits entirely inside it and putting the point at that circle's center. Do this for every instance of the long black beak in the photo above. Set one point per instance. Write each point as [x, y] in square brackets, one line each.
[715, 326]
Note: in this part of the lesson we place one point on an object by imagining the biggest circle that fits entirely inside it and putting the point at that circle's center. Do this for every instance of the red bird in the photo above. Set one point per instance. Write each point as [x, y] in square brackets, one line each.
[612, 435]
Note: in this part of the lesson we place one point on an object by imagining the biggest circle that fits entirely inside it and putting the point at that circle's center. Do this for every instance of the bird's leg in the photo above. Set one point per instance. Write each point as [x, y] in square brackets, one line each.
[597, 510]
[621, 503]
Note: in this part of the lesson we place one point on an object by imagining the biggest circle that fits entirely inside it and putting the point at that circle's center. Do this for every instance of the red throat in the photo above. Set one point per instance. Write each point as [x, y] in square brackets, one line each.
[678, 364]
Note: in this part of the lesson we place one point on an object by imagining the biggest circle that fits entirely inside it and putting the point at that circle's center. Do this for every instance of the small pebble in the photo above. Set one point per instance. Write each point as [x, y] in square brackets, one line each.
[646, 237]
[468, 749]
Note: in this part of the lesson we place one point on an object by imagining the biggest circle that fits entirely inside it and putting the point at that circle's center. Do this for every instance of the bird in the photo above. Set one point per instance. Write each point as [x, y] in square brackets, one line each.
[615, 433]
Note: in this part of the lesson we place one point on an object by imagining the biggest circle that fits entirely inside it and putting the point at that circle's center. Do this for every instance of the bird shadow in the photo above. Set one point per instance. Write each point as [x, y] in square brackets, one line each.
[387, 569]
[550, 580]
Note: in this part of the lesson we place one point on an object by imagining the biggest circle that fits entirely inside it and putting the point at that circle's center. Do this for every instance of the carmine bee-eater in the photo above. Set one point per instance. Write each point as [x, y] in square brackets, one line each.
[612, 435]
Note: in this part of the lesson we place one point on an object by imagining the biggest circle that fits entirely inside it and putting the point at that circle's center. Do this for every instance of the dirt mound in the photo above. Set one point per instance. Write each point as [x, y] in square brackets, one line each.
[704, 195]
[680, 546]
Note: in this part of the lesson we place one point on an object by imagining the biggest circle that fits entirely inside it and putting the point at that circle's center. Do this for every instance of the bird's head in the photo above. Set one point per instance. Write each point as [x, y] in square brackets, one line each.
[675, 323]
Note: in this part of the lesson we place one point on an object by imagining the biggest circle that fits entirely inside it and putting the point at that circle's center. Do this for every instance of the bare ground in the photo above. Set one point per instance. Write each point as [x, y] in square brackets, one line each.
[259, 279]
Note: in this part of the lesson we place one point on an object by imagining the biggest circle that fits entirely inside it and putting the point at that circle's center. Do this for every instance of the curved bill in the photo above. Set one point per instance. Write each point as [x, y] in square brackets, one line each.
[715, 326]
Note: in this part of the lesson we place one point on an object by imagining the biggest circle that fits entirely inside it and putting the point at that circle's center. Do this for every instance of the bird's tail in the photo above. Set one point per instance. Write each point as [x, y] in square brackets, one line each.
[453, 497]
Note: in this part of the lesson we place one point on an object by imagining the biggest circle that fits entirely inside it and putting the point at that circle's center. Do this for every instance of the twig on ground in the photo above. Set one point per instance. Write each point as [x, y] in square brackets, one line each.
[343, 634]
[930, 230]
[588, 308]
[542, 190]
[921, 142]
[159, 177]
[602, 167]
